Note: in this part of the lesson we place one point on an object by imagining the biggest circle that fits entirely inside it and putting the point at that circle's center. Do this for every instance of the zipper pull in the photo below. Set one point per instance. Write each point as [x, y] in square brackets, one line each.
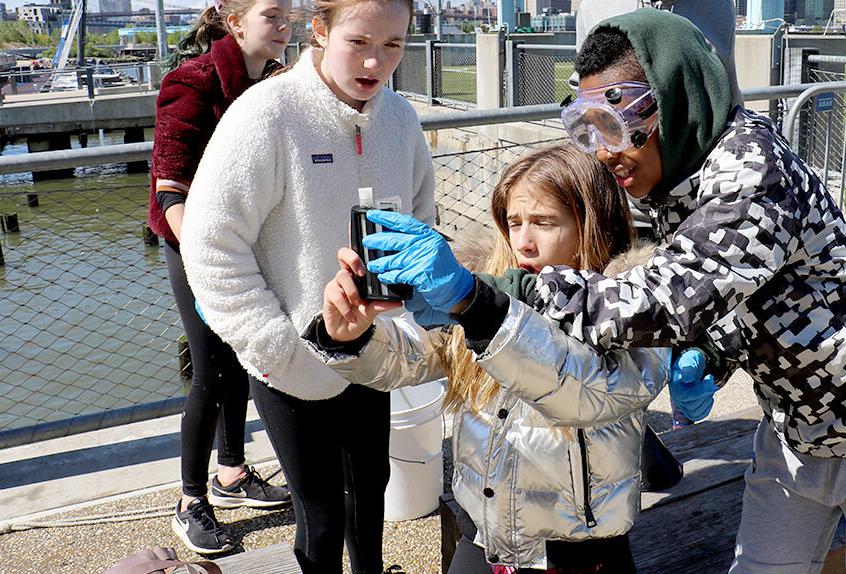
[358, 148]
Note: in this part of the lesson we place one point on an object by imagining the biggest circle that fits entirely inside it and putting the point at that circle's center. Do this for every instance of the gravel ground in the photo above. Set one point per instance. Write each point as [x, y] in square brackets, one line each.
[92, 548]
[413, 544]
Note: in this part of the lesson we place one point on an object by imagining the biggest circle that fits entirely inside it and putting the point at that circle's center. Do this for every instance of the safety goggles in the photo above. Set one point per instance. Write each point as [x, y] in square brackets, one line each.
[614, 117]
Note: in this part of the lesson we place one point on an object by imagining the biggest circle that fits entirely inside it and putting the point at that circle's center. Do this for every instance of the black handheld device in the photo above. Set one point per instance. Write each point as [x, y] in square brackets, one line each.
[369, 286]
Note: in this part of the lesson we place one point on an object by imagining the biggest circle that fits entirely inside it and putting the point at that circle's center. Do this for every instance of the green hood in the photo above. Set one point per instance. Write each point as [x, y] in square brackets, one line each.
[690, 84]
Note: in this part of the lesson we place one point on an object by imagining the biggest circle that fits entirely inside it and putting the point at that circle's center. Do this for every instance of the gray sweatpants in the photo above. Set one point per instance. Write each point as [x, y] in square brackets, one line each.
[791, 506]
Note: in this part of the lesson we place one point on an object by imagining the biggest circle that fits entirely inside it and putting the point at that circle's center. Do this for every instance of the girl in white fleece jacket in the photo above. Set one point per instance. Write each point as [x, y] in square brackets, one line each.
[268, 207]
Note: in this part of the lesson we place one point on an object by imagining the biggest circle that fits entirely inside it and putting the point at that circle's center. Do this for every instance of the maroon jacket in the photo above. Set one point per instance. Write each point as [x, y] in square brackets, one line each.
[191, 101]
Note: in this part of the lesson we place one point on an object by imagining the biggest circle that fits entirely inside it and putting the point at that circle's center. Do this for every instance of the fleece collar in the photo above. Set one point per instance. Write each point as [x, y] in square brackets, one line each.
[230, 66]
[333, 110]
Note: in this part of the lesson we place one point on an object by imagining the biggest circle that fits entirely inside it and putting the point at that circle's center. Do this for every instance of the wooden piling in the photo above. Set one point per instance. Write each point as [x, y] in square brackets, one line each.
[32, 199]
[10, 223]
[150, 238]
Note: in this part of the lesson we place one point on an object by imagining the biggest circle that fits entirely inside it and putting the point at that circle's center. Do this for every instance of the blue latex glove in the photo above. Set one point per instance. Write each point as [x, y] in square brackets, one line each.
[424, 315]
[423, 260]
[200, 312]
[691, 391]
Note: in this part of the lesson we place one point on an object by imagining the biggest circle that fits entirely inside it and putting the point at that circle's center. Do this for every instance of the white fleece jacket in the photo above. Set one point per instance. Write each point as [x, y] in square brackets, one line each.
[269, 208]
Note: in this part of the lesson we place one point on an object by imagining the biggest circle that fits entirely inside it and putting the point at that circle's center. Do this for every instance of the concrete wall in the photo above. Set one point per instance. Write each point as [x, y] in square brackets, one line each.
[753, 55]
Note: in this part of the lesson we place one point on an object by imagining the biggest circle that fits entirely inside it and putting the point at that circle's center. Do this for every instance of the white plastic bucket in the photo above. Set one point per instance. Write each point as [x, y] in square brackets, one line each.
[416, 455]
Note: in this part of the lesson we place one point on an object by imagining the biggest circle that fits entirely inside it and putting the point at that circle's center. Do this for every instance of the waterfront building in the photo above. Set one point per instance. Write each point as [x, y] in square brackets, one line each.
[42, 18]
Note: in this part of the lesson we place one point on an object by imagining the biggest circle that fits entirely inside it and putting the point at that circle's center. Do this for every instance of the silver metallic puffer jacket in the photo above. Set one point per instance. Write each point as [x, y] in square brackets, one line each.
[522, 477]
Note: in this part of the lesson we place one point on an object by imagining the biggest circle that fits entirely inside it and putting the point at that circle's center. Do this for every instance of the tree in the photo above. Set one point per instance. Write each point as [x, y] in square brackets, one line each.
[15, 33]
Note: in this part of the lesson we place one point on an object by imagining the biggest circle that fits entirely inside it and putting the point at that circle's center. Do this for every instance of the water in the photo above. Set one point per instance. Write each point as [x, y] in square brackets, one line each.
[87, 320]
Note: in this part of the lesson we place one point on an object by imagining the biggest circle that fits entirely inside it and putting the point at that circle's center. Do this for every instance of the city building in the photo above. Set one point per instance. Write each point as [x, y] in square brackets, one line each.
[764, 14]
[2, 11]
[42, 18]
[817, 12]
[838, 17]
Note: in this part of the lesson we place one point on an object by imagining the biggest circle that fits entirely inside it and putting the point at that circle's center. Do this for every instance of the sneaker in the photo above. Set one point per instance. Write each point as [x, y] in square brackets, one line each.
[199, 529]
[681, 421]
[252, 491]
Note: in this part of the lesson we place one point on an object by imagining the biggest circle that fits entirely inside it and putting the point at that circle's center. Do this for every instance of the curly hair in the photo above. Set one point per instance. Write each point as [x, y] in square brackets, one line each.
[609, 49]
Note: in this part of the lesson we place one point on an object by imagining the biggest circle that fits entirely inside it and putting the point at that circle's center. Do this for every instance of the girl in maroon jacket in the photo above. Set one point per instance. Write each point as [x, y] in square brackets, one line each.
[234, 44]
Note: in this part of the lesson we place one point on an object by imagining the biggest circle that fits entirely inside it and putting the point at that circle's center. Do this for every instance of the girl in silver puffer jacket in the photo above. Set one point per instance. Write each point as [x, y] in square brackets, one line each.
[547, 432]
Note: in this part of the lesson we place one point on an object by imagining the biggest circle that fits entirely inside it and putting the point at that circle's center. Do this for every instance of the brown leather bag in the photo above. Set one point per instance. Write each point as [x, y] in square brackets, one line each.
[160, 560]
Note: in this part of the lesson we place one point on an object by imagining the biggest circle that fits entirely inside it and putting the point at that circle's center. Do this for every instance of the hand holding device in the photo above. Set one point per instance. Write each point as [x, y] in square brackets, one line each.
[423, 260]
[347, 315]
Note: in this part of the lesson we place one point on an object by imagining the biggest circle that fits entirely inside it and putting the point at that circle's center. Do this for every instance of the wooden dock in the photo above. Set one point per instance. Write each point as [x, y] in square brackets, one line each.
[691, 527]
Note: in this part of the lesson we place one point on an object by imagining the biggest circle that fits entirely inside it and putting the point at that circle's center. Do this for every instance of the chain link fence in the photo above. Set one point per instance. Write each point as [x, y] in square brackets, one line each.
[541, 74]
[455, 73]
[410, 76]
[88, 323]
[465, 180]
[89, 326]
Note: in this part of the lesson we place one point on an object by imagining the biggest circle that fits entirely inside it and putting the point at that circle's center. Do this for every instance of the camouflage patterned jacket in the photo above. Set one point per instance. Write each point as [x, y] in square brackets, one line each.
[757, 259]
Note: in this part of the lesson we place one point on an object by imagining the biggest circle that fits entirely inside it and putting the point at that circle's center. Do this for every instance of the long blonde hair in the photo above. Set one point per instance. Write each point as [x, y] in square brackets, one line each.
[576, 181]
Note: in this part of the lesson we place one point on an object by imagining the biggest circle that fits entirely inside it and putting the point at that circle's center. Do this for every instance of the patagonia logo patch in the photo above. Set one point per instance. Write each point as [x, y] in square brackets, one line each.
[321, 158]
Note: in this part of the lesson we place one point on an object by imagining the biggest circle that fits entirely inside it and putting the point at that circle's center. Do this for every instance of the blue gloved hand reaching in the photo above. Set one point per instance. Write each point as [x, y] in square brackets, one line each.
[691, 391]
[422, 259]
[423, 313]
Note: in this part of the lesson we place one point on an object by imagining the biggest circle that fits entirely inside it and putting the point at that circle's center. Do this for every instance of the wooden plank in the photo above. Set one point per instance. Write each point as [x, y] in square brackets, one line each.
[276, 559]
[691, 528]
[713, 452]
[694, 535]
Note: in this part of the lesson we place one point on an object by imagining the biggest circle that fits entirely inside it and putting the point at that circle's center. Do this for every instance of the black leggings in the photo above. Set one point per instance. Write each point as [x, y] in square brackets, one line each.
[334, 454]
[594, 556]
[218, 395]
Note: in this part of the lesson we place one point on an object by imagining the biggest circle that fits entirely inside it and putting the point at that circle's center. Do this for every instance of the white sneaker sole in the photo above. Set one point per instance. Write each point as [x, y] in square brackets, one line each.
[183, 536]
[236, 501]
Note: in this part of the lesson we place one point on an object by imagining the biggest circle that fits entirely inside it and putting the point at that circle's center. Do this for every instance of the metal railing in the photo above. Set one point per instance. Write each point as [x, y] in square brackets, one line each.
[90, 335]
[816, 128]
[94, 80]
